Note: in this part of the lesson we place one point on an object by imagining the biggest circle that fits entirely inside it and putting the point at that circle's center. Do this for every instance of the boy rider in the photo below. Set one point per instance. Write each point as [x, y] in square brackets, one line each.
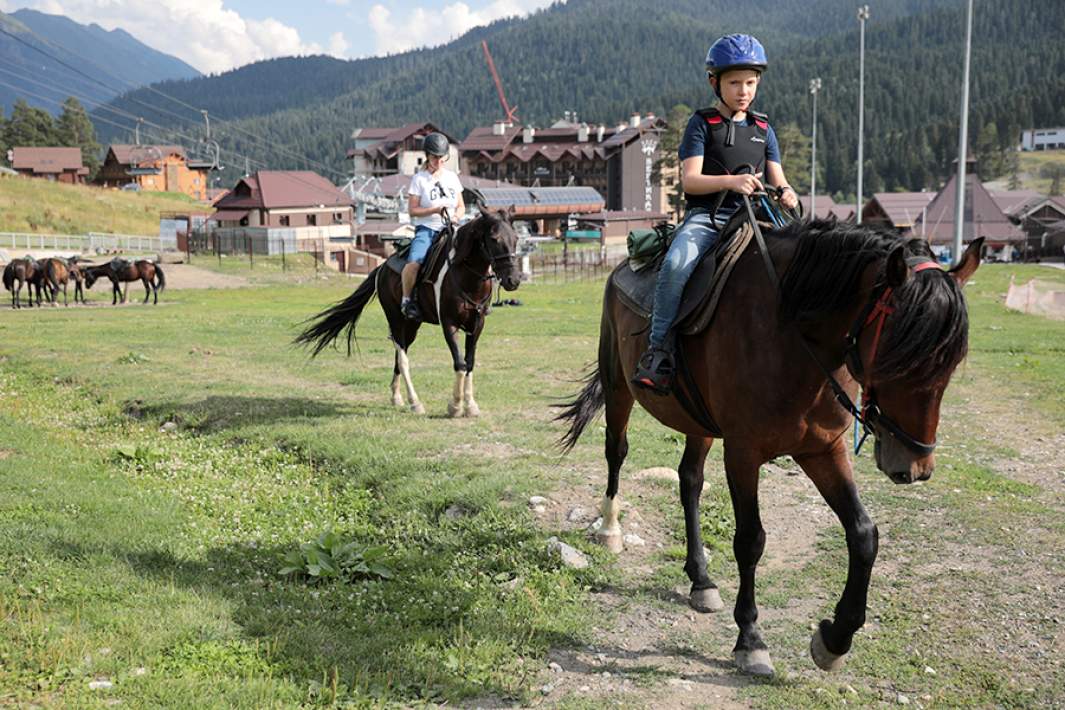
[716, 143]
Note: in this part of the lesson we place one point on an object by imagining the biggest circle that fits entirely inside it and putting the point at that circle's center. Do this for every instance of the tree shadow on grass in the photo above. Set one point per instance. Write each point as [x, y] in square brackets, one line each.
[220, 412]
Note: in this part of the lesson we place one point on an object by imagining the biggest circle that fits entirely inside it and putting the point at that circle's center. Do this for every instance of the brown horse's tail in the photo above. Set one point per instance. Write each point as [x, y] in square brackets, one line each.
[581, 410]
[9, 277]
[160, 278]
[328, 324]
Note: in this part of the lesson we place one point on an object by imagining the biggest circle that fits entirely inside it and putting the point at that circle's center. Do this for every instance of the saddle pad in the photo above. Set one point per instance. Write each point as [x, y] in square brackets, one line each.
[636, 289]
[433, 259]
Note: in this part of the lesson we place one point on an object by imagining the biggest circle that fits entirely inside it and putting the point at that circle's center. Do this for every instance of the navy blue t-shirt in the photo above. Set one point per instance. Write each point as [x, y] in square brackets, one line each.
[694, 143]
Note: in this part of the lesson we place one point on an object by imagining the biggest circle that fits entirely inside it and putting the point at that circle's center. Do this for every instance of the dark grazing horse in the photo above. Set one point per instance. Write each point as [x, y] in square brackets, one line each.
[122, 271]
[479, 249]
[56, 273]
[854, 305]
[19, 272]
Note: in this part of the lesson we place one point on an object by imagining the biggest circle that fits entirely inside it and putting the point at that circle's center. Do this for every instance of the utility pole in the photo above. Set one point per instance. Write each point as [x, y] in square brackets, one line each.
[815, 86]
[963, 140]
[863, 15]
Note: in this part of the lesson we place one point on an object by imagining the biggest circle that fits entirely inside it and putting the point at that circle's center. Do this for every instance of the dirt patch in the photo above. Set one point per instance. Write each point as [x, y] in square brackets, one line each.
[185, 276]
[6, 453]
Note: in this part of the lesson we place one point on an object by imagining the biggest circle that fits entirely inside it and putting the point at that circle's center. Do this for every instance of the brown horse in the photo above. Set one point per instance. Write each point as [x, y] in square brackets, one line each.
[23, 271]
[774, 367]
[56, 273]
[122, 271]
[482, 248]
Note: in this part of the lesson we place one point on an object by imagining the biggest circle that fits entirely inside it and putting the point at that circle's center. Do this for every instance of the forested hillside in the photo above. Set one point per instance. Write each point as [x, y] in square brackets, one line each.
[606, 58]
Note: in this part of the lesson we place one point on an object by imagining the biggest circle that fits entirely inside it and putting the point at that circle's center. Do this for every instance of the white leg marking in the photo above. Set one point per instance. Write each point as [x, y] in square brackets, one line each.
[397, 392]
[404, 370]
[454, 407]
[472, 410]
[609, 533]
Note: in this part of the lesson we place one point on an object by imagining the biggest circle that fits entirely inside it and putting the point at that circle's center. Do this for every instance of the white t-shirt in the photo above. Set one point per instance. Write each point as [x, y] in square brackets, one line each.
[428, 190]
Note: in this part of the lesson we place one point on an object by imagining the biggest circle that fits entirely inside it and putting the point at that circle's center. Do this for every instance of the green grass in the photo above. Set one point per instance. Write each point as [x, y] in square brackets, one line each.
[151, 559]
[1031, 162]
[40, 206]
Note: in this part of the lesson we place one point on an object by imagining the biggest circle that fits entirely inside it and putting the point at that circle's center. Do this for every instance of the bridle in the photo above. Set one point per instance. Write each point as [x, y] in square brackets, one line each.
[875, 311]
[482, 305]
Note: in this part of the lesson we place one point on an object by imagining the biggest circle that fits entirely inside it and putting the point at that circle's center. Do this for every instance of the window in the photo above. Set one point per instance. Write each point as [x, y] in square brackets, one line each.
[312, 220]
[338, 218]
[284, 220]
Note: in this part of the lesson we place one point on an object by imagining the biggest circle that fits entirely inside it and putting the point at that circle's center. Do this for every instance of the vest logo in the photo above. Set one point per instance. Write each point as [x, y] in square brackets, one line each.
[757, 139]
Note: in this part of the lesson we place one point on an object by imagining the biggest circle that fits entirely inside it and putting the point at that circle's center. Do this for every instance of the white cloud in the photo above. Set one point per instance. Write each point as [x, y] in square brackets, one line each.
[422, 27]
[338, 45]
[204, 33]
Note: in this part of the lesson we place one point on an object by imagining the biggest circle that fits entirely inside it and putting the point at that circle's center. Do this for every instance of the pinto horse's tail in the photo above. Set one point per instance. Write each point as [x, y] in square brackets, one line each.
[328, 324]
[582, 410]
[160, 278]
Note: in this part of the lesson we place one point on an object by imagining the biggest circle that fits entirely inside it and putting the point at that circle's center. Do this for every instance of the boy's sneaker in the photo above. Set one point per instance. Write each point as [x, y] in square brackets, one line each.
[655, 371]
[410, 310]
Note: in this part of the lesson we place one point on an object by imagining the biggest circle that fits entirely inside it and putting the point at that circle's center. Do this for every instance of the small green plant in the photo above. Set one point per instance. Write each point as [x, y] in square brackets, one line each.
[140, 454]
[330, 558]
[133, 358]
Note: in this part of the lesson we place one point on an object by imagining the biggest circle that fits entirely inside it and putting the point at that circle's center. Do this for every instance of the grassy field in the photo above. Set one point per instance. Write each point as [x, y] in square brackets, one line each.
[160, 466]
[1032, 162]
[39, 206]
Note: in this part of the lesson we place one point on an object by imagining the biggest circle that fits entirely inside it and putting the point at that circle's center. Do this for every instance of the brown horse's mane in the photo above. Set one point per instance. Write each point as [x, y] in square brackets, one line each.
[928, 333]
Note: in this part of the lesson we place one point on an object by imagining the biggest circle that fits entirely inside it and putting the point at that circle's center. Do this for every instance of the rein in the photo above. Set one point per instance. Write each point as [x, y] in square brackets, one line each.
[480, 306]
[875, 311]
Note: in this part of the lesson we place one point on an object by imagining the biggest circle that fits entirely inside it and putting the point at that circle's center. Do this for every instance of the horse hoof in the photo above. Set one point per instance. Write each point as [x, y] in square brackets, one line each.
[823, 658]
[397, 401]
[756, 662]
[454, 410]
[706, 600]
[611, 540]
[417, 408]
[472, 410]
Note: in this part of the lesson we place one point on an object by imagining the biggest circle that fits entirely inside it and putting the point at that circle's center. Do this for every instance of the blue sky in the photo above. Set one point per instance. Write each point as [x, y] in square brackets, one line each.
[216, 35]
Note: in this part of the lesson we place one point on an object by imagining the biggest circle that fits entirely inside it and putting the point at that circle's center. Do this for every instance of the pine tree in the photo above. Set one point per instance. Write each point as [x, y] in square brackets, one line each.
[669, 162]
[1014, 169]
[795, 156]
[76, 130]
[1054, 171]
[30, 127]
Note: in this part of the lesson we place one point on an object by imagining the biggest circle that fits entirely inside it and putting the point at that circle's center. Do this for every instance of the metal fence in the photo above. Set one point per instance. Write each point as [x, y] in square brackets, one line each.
[91, 242]
[577, 265]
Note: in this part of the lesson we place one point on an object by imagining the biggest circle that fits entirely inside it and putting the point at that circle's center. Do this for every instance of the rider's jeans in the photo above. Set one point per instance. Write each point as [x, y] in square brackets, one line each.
[695, 236]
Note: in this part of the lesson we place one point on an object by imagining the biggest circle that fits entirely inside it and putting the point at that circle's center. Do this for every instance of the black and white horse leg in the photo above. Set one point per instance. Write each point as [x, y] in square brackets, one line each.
[455, 407]
[468, 402]
[831, 473]
[402, 338]
[397, 383]
[750, 653]
[704, 595]
[618, 400]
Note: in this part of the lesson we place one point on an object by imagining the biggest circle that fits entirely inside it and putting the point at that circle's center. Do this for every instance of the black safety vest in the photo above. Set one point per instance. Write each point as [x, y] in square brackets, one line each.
[728, 147]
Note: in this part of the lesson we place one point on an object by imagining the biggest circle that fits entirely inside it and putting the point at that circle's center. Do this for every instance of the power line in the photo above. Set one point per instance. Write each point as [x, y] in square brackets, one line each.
[125, 93]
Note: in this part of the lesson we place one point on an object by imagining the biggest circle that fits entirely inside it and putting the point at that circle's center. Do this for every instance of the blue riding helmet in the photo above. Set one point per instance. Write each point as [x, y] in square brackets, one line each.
[736, 52]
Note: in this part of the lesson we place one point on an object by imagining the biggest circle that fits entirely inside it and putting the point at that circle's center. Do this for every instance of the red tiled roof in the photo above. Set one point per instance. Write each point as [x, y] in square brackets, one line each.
[983, 218]
[903, 208]
[125, 154]
[826, 207]
[1010, 201]
[271, 189]
[482, 138]
[47, 160]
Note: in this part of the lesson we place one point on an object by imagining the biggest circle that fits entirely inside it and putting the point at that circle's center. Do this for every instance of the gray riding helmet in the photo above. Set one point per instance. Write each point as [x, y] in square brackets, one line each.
[436, 144]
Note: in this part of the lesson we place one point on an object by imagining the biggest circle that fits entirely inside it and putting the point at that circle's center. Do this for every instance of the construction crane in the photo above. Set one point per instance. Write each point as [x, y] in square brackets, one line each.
[509, 112]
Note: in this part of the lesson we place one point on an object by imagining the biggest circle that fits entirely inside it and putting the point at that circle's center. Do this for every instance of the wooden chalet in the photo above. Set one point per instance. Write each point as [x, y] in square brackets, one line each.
[155, 168]
[58, 164]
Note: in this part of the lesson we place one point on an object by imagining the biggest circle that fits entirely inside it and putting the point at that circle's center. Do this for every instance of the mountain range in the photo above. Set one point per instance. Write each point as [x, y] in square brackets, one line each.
[114, 58]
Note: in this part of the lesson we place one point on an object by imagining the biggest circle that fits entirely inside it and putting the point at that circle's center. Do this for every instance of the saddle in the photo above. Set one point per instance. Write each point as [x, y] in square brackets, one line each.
[636, 289]
[427, 274]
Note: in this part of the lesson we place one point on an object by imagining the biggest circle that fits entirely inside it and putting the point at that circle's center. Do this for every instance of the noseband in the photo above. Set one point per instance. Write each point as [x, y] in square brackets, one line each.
[876, 312]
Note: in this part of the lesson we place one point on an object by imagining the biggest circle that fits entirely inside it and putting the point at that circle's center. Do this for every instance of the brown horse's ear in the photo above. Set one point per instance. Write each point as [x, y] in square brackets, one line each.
[969, 261]
[509, 214]
[896, 271]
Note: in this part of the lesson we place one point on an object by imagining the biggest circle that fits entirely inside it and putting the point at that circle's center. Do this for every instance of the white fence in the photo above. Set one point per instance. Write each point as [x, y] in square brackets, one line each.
[90, 242]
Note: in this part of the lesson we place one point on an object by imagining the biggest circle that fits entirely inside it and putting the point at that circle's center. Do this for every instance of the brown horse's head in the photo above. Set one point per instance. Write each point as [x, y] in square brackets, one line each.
[905, 357]
[493, 241]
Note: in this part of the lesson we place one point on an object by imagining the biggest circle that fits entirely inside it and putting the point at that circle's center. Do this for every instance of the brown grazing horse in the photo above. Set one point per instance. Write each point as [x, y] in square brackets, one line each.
[854, 306]
[481, 249]
[122, 271]
[57, 273]
[23, 271]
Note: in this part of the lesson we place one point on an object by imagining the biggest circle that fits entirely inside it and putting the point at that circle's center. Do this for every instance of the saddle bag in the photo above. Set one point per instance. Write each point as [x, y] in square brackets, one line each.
[647, 245]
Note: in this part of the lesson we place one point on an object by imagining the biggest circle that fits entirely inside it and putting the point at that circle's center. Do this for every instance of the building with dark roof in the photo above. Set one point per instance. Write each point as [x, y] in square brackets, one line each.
[379, 152]
[58, 164]
[616, 161]
[155, 168]
[895, 210]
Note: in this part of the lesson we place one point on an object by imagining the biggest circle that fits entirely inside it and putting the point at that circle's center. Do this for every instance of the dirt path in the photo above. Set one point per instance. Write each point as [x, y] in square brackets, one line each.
[182, 276]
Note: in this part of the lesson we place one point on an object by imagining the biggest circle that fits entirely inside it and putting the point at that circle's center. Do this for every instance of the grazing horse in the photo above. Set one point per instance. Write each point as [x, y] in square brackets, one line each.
[122, 271]
[778, 370]
[75, 271]
[56, 273]
[23, 271]
[458, 299]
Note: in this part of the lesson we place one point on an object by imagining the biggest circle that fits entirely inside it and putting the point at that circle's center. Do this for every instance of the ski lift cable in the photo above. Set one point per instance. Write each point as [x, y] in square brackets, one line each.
[159, 109]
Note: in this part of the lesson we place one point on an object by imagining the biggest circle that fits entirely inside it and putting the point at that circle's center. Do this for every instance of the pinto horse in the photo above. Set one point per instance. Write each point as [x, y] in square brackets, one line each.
[122, 271]
[23, 271]
[854, 306]
[480, 250]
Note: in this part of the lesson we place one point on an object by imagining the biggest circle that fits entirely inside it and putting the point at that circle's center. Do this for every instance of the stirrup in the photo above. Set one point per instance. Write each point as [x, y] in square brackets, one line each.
[655, 371]
[411, 311]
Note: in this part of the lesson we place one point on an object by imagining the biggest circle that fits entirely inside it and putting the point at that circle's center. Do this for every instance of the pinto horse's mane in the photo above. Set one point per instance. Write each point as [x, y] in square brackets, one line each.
[928, 331]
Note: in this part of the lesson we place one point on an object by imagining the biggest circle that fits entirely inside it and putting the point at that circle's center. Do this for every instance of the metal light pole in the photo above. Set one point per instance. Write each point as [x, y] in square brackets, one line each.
[863, 15]
[815, 86]
[963, 140]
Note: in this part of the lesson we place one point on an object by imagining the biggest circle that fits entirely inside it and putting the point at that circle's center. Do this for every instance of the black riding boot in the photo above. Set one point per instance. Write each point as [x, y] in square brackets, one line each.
[411, 311]
[655, 370]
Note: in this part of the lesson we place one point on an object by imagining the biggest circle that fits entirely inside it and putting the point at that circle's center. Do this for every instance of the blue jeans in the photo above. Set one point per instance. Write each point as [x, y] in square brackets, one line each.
[695, 236]
[423, 239]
